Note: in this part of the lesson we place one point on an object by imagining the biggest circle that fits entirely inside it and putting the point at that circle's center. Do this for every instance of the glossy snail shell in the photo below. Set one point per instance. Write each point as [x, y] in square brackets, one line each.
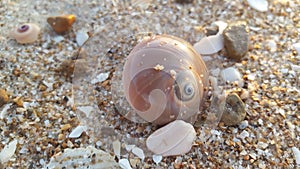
[26, 33]
[164, 79]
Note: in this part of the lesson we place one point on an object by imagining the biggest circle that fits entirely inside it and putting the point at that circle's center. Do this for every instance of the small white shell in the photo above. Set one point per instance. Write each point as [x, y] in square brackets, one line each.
[259, 5]
[89, 157]
[8, 151]
[26, 33]
[210, 44]
[176, 138]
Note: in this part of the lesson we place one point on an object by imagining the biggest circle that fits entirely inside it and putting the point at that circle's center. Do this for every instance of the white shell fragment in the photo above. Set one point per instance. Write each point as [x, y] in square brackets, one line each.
[175, 138]
[100, 78]
[124, 164]
[4, 110]
[138, 152]
[157, 159]
[117, 148]
[89, 157]
[8, 151]
[86, 110]
[77, 131]
[81, 37]
[296, 152]
[210, 45]
[297, 47]
[222, 26]
[259, 5]
[231, 74]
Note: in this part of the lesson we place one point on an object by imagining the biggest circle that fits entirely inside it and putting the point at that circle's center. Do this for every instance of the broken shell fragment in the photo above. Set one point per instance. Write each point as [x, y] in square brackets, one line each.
[176, 138]
[165, 79]
[61, 24]
[26, 33]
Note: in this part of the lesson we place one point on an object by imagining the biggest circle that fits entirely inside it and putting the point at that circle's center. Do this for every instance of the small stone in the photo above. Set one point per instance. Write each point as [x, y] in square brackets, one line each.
[77, 131]
[232, 75]
[262, 145]
[58, 39]
[61, 24]
[3, 97]
[124, 164]
[184, 1]
[81, 37]
[243, 124]
[297, 47]
[244, 134]
[296, 152]
[212, 30]
[157, 159]
[117, 148]
[138, 152]
[234, 111]
[259, 5]
[100, 78]
[18, 101]
[8, 151]
[65, 127]
[236, 39]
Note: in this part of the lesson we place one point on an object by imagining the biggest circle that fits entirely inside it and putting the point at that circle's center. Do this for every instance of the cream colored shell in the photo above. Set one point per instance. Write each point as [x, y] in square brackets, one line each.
[28, 36]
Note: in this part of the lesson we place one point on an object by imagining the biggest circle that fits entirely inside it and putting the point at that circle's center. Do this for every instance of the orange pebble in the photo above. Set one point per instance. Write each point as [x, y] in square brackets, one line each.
[61, 24]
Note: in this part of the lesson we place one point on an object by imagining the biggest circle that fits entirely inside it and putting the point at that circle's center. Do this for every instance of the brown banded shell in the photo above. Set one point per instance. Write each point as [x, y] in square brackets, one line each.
[165, 79]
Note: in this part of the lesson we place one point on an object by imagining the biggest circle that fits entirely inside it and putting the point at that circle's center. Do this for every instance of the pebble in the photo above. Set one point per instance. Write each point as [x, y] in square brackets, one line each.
[231, 74]
[175, 138]
[8, 151]
[157, 159]
[243, 124]
[81, 37]
[26, 33]
[297, 47]
[296, 152]
[117, 148]
[86, 110]
[138, 152]
[236, 39]
[244, 134]
[124, 164]
[100, 78]
[18, 101]
[88, 157]
[262, 145]
[58, 39]
[259, 5]
[61, 24]
[234, 111]
[77, 131]
[3, 97]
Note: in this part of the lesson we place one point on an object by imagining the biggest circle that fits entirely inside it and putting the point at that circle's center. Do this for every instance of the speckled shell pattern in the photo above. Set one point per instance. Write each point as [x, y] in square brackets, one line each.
[164, 79]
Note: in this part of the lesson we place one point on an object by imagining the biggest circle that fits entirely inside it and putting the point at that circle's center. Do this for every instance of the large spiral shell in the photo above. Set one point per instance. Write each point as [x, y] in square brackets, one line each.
[165, 79]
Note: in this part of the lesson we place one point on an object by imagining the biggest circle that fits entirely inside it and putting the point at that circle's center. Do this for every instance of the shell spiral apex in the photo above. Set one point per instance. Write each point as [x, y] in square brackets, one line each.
[165, 79]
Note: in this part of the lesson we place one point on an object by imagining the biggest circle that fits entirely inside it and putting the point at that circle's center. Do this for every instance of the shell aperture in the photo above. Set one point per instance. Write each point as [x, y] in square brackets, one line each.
[164, 79]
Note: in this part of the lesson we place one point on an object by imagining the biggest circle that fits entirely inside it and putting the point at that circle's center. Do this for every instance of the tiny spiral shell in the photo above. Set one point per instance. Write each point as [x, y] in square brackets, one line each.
[26, 33]
[165, 79]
